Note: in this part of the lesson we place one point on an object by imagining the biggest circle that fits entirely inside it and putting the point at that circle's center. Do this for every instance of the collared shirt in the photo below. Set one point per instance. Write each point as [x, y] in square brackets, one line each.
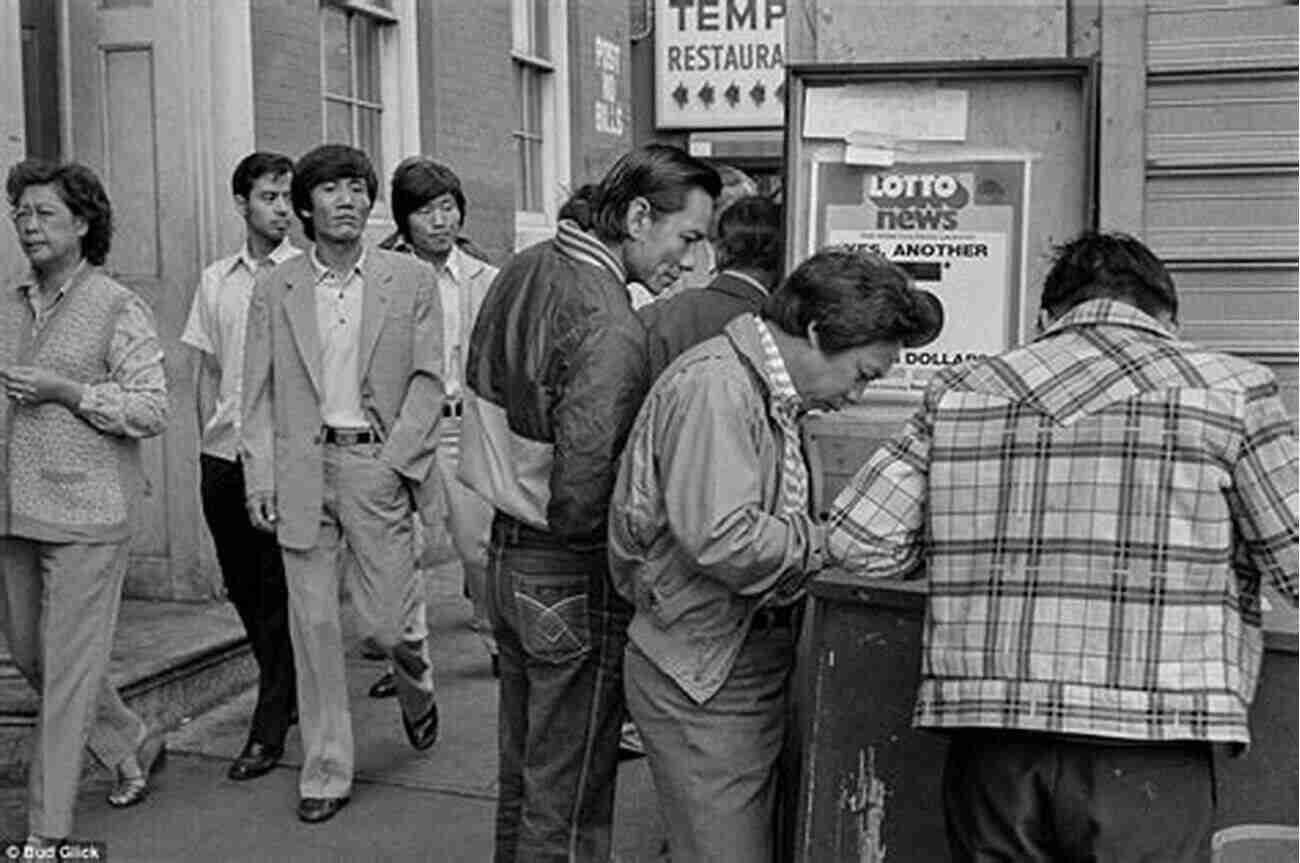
[785, 409]
[43, 309]
[133, 401]
[339, 302]
[216, 326]
[1097, 511]
[786, 404]
[450, 284]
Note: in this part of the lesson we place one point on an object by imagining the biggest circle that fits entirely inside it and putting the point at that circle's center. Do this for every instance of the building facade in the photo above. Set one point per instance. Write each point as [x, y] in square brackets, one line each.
[523, 98]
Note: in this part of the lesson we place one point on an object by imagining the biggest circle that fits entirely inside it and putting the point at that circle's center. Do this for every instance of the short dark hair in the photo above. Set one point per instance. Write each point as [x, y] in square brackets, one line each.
[324, 164]
[255, 165]
[855, 298]
[417, 180]
[661, 174]
[1100, 265]
[80, 189]
[749, 235]
[578, 207]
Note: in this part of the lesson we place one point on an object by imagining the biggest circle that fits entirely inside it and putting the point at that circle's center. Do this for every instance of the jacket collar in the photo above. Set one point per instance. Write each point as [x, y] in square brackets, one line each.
[742, 332]
[1108, 313]
[739, 285]
[580, 245]
[461, 266]
[279, 255]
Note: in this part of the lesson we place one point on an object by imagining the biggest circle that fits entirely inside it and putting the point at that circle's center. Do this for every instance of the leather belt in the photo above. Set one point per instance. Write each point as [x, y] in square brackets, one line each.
[451, 409]
[350, 437]
[775, 617]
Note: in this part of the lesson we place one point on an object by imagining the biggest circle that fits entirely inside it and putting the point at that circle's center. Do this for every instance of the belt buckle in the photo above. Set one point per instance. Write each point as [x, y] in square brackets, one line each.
[350, 437]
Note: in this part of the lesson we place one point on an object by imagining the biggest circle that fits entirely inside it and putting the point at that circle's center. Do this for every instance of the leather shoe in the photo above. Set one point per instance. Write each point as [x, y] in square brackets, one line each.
[384, 687]
[131, 786]
[256, 760]
[314, 810]
[422, 732]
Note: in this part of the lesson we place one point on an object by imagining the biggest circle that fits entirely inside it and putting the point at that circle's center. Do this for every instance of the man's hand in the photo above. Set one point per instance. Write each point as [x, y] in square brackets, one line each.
[33, 385]
[261, 510]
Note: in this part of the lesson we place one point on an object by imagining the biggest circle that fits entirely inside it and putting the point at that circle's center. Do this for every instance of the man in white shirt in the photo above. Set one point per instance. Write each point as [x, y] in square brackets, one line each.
[429, 208]
[251, 567]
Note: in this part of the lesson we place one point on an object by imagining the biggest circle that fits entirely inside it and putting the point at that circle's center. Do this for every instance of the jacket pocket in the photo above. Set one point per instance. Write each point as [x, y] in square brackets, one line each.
[551, 615]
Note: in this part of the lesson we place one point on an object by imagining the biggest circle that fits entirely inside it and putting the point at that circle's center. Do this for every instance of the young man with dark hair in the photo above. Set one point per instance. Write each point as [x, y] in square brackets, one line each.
[711, 539]
[1097, 512]
[557, 366]
[750, 251]
[342, 395]
[429, 208]
[251, 569]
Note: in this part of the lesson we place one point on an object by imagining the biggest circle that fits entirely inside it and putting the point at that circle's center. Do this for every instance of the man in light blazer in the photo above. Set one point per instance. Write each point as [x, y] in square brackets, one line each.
[341, 401]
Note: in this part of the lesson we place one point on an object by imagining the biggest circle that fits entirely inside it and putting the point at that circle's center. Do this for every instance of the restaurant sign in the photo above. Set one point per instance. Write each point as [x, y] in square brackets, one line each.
[719, 63]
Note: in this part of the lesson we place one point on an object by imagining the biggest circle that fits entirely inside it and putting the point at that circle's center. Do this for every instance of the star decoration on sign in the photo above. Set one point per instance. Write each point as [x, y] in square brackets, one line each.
[733, 95]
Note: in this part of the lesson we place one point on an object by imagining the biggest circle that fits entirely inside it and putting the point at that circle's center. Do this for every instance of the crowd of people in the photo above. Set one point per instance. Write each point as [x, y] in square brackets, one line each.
[607, 429]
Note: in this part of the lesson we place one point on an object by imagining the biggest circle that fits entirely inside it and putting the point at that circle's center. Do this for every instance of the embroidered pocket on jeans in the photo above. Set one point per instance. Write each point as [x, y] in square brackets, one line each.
[552, 616]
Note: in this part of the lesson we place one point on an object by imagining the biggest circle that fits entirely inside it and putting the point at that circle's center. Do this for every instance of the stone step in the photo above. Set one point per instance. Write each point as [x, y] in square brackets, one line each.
[171, 661]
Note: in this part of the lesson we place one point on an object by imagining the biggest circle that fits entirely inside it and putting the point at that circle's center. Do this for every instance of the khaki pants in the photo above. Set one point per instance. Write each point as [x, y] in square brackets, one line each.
[367, 507]
[63, 653]
[715, 765]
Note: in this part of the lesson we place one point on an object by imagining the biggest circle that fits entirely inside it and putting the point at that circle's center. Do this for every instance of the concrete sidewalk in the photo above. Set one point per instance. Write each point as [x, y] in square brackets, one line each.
[432, 806]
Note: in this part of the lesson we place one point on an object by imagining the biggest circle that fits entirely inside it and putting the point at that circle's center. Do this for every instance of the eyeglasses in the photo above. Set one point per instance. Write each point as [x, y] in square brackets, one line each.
[44, 215]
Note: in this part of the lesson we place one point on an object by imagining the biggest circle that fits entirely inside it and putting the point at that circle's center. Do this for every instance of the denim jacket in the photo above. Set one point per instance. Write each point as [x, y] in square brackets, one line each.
[696, 539]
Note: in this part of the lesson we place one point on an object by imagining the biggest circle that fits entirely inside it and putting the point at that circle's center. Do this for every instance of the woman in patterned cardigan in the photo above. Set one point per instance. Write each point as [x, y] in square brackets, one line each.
[82, 374]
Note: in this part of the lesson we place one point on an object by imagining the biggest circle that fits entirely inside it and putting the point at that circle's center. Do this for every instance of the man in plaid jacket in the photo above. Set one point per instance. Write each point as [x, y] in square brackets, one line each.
[1096, 513]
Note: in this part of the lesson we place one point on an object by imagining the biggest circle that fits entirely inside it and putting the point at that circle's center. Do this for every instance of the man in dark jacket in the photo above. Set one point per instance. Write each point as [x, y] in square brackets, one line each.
[749, 251]
[557, 366]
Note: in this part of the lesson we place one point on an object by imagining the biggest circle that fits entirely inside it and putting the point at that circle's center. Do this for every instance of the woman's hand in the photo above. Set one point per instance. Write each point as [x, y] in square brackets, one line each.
[33, 385]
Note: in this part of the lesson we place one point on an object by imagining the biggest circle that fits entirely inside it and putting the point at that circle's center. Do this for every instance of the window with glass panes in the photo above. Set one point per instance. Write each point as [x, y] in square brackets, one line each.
[351, 84]
[533, 69]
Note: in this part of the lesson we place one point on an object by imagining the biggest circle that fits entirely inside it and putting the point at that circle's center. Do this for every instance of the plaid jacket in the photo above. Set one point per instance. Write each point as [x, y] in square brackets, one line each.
[1096, 512]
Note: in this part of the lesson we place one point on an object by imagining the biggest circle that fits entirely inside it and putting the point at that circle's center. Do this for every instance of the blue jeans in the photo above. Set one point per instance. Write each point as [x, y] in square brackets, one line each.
[561, 631]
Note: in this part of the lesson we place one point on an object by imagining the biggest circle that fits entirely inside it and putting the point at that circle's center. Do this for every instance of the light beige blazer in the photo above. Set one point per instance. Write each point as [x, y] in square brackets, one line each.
[401, 381]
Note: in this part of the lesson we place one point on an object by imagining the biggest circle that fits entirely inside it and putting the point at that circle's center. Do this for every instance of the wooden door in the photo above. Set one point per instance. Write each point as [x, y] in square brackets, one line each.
[129, 93]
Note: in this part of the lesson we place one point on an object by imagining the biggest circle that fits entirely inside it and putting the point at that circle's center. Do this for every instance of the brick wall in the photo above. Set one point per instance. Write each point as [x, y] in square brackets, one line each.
[467, 109]
[594, 150]
[286, 75]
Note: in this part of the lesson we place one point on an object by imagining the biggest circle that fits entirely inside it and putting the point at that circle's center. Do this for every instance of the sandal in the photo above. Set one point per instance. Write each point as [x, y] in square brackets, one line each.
[131, 788]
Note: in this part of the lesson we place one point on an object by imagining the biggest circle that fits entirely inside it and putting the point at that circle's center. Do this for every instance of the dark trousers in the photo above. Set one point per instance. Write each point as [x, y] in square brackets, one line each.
[561, 631]
[253, 573]
[1013, 796]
